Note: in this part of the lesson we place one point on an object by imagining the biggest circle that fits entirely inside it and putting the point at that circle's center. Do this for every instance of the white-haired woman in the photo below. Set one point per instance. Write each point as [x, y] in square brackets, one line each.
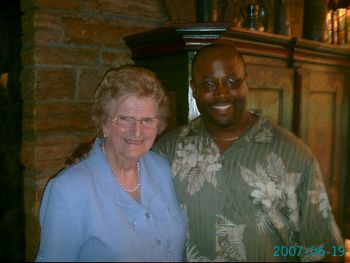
[119, 203]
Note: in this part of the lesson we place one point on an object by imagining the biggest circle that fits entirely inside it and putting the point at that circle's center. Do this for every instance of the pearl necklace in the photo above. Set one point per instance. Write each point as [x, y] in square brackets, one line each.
[138, 175]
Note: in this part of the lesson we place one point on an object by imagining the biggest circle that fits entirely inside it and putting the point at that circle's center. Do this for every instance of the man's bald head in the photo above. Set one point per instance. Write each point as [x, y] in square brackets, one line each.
[215, 51]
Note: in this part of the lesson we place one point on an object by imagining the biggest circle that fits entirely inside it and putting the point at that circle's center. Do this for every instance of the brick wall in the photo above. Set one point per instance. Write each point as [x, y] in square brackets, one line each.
[66, 47]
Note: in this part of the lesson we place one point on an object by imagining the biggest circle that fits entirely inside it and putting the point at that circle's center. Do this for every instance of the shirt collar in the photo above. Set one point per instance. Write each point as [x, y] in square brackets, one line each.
[197, 128]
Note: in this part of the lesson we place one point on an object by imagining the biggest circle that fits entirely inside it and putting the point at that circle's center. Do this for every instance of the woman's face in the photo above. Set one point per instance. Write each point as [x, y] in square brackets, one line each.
[126, 139]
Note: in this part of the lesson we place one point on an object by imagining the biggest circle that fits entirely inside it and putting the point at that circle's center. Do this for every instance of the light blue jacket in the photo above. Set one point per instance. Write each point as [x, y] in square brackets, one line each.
[86, 216]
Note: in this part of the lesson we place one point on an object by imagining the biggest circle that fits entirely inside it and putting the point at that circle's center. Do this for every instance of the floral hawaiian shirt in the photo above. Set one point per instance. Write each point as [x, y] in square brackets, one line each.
[263, 199]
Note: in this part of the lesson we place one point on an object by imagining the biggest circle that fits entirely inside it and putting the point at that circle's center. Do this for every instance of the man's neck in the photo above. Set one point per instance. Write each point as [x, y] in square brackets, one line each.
[225, 136]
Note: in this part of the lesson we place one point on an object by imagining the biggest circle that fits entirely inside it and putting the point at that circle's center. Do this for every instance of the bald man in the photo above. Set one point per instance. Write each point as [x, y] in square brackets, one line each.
[251, 190]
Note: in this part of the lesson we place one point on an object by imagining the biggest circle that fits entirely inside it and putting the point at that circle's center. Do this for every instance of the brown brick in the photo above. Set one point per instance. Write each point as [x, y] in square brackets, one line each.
[90, 31]
[139, 8]
[49, 83]
[146, 8]
[28, 153]
[27, 56]
[32, 236]
[48, 21]
[56, 150]
[55, 83]
[33, 192]
[47, 38]
[70, 5]
[27, 83]
[98, 32]
[48, 154]
[66, 56]
[27, 39]
[57, 117]
[32, 195]
[116, 58]
[88, 81]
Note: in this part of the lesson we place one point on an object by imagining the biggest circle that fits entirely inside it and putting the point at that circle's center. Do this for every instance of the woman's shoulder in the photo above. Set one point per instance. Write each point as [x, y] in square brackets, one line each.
[155, 158]
[156, 164]
[73, 177]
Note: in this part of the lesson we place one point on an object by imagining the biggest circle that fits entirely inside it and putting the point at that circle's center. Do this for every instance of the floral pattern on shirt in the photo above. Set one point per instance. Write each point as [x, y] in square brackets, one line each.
[196, 163]
[263, 135]
[274, 193]
[319, 196]
[282, 189]
[229, 244]
[229, 239]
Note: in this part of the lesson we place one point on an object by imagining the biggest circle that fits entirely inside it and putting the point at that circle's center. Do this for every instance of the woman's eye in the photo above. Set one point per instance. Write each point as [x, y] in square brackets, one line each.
[126, 118]
[147, 120]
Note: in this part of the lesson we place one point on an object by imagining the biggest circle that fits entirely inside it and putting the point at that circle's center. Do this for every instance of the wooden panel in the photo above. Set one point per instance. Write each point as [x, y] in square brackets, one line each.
[320, 132]
[271, 90]
[321, 115]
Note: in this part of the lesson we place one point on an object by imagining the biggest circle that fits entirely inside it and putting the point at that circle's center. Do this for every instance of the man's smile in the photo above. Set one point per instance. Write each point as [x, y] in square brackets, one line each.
[222, 107]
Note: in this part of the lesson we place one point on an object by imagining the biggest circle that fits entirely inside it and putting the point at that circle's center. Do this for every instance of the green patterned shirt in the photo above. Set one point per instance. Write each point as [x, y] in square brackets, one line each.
[263, 199]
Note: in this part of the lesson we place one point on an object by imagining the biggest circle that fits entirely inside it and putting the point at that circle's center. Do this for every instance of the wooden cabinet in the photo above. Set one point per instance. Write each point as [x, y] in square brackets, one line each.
[302, 84]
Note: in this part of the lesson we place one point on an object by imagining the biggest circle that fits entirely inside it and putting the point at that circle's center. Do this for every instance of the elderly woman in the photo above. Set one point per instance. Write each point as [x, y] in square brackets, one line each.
[118, 204]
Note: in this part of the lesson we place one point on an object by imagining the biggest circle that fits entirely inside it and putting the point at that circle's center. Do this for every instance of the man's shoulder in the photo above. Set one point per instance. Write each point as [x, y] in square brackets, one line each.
[166, 144]
[169, 137]
[284, 136]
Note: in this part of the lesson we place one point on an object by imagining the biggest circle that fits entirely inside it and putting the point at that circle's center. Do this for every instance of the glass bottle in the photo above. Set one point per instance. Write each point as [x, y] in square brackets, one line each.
[253, 20]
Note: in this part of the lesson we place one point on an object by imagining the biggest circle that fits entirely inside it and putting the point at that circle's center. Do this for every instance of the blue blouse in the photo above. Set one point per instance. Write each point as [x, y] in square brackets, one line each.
[86, 216]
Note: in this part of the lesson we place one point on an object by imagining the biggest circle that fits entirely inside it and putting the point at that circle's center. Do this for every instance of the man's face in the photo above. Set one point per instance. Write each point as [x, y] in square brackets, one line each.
[219, 88]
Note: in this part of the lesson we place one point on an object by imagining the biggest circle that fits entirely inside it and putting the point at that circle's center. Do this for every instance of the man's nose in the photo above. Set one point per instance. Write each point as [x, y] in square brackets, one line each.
[221, 89]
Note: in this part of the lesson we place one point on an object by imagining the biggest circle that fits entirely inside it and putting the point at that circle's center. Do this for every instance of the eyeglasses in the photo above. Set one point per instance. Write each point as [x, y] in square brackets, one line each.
[129, 122]
[229, 83]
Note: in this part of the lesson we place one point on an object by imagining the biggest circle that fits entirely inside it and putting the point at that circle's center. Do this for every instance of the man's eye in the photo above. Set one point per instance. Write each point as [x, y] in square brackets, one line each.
[210, 85]
[230, 83]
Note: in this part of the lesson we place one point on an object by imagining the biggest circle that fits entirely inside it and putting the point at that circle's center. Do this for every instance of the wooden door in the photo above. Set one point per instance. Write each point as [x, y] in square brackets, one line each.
[322, 108]
[271, 91]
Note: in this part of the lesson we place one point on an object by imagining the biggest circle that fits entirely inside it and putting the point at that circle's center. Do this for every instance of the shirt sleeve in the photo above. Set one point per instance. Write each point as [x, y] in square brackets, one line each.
[319, 233]
[60, 230]
[165, 145]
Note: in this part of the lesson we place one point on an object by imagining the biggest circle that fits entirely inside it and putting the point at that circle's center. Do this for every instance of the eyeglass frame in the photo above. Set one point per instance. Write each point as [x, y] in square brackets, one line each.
[116, 118]
[204, 85]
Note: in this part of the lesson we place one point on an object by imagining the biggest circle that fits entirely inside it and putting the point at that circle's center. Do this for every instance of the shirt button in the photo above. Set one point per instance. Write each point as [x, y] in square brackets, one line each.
[219, 189]
[158, 242]
[147, 215]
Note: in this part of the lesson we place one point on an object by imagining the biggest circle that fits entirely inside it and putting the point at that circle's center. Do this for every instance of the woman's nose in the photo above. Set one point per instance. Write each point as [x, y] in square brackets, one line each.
[137, 128]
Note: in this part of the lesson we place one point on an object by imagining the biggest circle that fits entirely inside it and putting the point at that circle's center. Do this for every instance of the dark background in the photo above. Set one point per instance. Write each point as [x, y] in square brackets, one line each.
[11, 181]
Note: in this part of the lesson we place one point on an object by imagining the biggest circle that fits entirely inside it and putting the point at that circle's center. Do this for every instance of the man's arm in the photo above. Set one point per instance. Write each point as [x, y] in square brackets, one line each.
[79, 153]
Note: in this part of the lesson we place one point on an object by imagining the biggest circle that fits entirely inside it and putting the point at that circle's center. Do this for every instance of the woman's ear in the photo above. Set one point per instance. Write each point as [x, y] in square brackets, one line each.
[104, 130]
